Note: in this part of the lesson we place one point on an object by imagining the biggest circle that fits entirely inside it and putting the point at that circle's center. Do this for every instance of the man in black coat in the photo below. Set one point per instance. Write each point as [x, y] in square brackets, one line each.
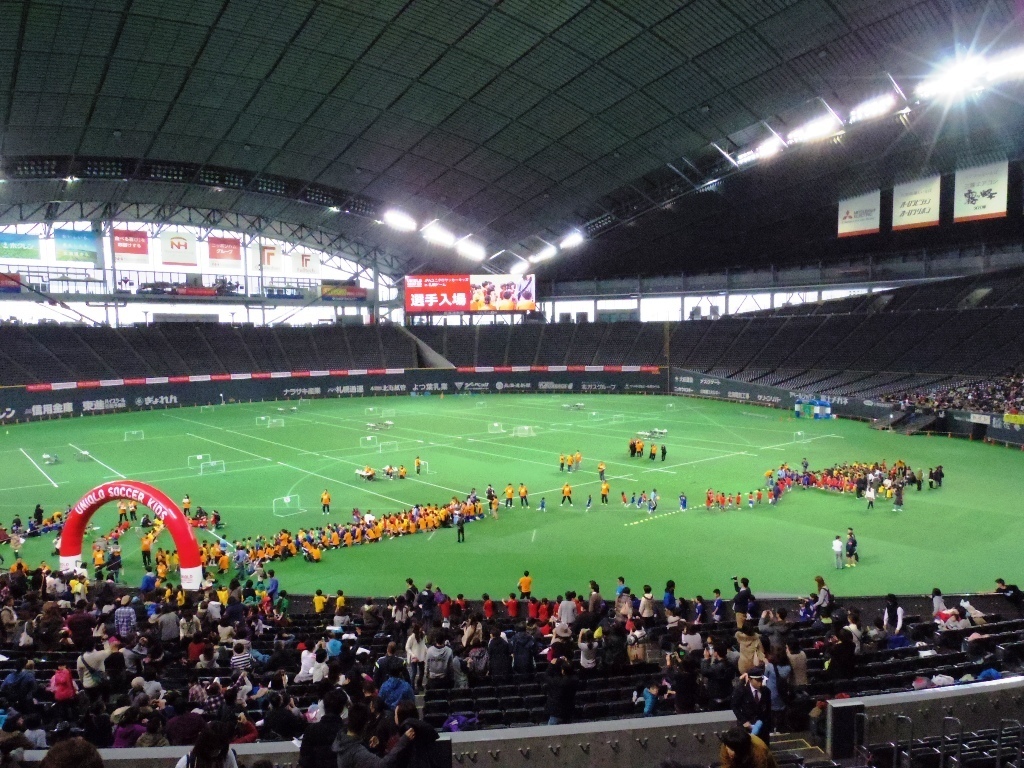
[561, 688]
[741, 603]
[318, 738]
[752, 704]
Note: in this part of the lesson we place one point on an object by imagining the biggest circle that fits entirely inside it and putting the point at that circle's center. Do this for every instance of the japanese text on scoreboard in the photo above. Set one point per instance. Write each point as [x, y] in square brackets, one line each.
[470, 293]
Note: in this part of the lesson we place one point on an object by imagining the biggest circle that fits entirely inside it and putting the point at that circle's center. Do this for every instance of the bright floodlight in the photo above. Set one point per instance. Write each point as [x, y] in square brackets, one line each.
[957, 79]
[1007, 67]
[819, 128]
[470, 250]
[519, 267]
[767, 148]
[435, 233]
[403, 222]
[872, 108]
[571, 240]
[544, 254]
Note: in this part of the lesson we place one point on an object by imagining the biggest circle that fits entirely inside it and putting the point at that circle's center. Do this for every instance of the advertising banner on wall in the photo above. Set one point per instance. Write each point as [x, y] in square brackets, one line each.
[470, 293]
[9, 283]
[225, 252]
[73, 245]
[178, 249]
[266, 257]
[980, 192]
[305, 263]
[916, 204]
[21, 247]
[130, 247]
[861, 215]
[338, 290]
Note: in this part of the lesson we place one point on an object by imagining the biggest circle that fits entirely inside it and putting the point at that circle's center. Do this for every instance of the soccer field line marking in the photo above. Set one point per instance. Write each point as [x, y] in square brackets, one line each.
[25, 488]
[229, 447]
[247, 436]
[698, 461]
[405, 505]
[432, 534]
[534, 537]
[52, 481]
[652, 518]
[91, 456]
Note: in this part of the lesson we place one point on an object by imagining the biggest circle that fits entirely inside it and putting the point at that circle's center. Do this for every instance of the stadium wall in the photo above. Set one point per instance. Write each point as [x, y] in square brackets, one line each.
[83, 398]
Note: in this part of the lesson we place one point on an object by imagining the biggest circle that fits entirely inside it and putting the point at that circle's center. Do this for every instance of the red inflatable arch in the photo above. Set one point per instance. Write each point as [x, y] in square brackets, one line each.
[73, 535]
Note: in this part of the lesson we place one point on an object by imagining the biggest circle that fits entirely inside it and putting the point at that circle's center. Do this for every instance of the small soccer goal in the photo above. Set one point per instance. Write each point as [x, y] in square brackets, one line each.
[370, 441]
[286, 506]
[261, 421]
[196, 460]
[134, 434]
[670, 406]
[495, 428]
[524, 432]
[798, 437]
[371, 411]
[618, 418]
[212, 468]
[275, 422]
[424, 467]
[206, 409]
[388, 447]
[388, 413]
[594, 416]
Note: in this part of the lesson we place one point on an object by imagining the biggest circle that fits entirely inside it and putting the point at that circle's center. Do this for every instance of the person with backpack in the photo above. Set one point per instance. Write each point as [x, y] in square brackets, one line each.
[524, 650]
[477, 662]
[778, 678]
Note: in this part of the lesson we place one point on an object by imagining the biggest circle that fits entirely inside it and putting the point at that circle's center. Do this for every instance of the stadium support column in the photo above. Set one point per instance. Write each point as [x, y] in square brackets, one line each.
[376, 287]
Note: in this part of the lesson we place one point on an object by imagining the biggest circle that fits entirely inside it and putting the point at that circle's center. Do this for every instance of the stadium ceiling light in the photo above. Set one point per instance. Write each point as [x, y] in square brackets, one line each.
[1006, 67]
[519, 267]
[955, 80]
[873, 108]
[767, 148]
[822, 127]
[571, 240]
[403, 222]
[544, 254]
[470, 250]
[438, 235]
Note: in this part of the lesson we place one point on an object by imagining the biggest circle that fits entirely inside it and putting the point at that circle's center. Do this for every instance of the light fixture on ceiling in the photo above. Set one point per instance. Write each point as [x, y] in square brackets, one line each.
[438, 235]
[519, 267]
[571, 240]
[823, 127]
[1007, 66]
[955, 80]
[399, 220]
[879, 106]
[471, 250]
[767, 148]
[545, 253]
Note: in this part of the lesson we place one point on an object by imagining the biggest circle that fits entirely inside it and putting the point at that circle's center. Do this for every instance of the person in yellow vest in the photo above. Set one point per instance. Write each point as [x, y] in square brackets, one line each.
[133, 511]
[418, 464]
[566, 494]
[122, 511]
[654, 451]
[561, 462]
[402, 472]
[325, 502]
[570, 461]
[605, 488]
[600, 470]
[524, 499]
[147, 550]
[186, 505]
[579, 460]
[509, 493]
[494, 507]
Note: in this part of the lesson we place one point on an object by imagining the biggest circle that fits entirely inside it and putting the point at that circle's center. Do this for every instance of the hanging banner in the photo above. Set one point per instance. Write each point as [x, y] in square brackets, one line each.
[340, 290]
[305, 263]
[72, 245]
[267, 258]
[916, 204]
[22, 247]
[10, 283]
[131, 247]
[225, 252]
[980, 192]
[860, 215]
[178, 249]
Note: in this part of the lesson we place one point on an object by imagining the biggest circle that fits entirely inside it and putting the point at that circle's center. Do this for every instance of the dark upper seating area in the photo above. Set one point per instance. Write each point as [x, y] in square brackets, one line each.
[47, 353]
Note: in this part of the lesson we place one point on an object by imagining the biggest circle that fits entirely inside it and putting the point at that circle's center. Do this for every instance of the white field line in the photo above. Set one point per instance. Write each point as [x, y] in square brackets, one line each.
[52, 482]
[93, 457]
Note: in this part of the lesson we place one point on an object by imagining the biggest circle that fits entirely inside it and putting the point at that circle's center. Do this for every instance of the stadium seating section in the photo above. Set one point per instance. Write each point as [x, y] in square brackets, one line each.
[943, 333]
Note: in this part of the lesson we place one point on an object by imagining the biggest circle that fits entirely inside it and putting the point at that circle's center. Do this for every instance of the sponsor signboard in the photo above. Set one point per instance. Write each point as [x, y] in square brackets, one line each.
[860, 215]
[77, 246]
[980, 192]
[336, 290]
[225, 252]
[916, 204]
[9, 283]
[21, 247]
[305, 263]
[130, 247]
[470, 293]
[178, 249]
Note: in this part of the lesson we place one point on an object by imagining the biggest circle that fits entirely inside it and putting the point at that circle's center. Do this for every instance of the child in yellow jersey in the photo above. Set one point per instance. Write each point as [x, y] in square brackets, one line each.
[174, 561]
[494, 507]
[348, 537]
[224, 563]
[161, 571]
[319, 601]
[339, 601]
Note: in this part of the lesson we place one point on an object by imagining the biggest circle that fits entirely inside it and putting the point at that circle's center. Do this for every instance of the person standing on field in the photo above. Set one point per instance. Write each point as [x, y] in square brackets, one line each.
[869, 494]
[837, 550]
[325, 502]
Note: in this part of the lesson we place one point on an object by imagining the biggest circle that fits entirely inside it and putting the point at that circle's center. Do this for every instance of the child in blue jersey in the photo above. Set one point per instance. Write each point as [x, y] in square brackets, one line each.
[543, 504]
[682, 502]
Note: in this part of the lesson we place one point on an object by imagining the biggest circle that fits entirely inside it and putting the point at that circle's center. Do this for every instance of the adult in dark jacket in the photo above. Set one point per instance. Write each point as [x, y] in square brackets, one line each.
[752, 704]
[351, 752]
[741, 602]
[499, 656]
[424, 751]
[842, 659]
[615, 654]
[283, 718]
[317, 742]
[524, 649]
[560, 686]
[718, 674]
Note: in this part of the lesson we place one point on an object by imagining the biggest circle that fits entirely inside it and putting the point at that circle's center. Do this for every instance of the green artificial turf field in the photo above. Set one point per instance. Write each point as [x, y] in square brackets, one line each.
[958, 538]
